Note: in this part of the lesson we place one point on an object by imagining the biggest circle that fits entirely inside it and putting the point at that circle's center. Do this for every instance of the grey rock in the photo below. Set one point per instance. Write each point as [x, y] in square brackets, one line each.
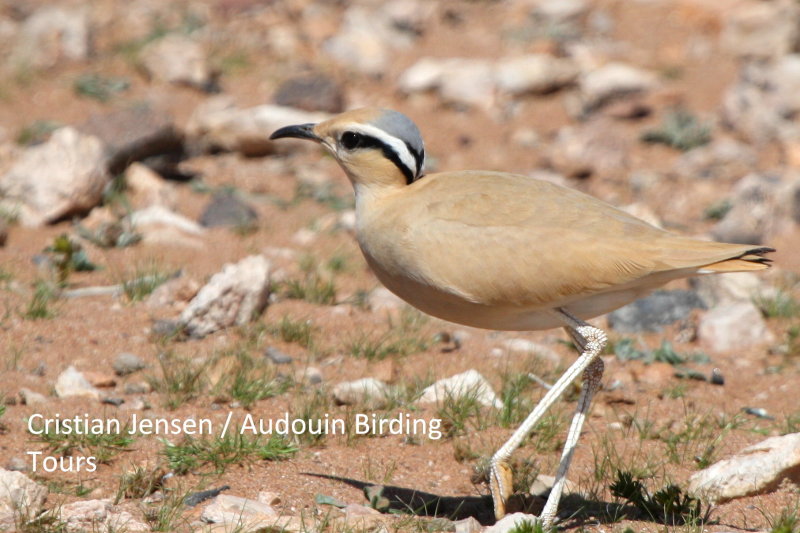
[137, 387]
[199, 497]
[228, 210]
[53, 34]
[762, 103]
[19, 496]
[218, 124]
[127, 363]
[368, 392]
[753, 214]
[587, 149]
[655, 311]
[535, 73]
[757, 469]
[762, 30]
[720, 159]
[469, 383]
[233, 296]
[241, 512]
[85, 515]
[311, 92]
[64, 176]
[310, 375]
[511, 522]
[180, 60]
[134, 134]
[278, 357]
[17, 464]
[166, 328]
[71, 383]
[737, 326]
[612, 81]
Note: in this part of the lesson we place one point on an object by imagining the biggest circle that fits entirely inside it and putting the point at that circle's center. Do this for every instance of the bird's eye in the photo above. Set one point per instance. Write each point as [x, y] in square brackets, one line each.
[351, 140]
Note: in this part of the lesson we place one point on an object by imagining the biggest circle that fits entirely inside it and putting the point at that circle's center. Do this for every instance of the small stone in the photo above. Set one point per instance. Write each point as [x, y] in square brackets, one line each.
[469, 383]
[17, 464]
[128, 363]
[311, 92]
[468, 525]
[653, 312]
[270, 498]
[146, 188]
[228, 210]
[241, 512]
[159, 216]
[716, 377]
[53, 34]
[166, 328]
[85, 515]
[611, 81]
[757, 469]
[369, 392]
[543, 484]
[218, 124]
[110, 400]
[71, 383]
[512, 522]
[63, 176]
[535, 73]
[310, 375]
[180, 60]
[233, 296]
[278, 357]
[30, 397]
[124, 521]
[734, 327]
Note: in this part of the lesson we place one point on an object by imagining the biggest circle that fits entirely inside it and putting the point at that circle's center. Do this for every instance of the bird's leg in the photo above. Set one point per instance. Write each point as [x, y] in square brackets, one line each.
[591, 383]
[500, 477]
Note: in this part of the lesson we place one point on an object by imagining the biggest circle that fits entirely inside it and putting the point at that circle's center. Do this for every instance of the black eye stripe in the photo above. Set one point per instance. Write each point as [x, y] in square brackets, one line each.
[352, 140]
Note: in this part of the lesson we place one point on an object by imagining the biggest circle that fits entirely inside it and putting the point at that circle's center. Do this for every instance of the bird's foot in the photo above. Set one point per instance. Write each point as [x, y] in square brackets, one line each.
[500, 483]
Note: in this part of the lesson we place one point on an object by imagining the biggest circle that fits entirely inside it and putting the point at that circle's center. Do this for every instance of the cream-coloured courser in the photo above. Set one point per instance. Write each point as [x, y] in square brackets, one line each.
[503, 251]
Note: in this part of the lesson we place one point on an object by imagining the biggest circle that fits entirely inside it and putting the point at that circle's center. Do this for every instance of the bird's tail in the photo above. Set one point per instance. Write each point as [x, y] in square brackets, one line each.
[752, 259]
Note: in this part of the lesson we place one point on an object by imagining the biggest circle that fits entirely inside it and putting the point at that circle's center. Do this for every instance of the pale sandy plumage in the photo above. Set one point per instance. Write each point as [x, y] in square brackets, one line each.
[505, 251]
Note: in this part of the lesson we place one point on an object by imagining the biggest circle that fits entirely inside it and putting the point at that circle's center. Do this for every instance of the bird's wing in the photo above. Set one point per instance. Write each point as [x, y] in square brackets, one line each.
[504, 239]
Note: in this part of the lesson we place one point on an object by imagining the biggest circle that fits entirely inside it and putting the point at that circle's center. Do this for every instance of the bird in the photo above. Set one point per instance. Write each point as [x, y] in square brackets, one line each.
[504, 251]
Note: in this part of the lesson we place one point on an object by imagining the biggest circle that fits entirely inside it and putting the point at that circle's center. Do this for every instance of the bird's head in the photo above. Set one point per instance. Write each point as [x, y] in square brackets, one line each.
[375, 147]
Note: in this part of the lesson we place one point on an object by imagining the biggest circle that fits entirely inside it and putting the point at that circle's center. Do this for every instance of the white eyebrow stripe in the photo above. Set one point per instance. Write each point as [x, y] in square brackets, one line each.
[393, 142]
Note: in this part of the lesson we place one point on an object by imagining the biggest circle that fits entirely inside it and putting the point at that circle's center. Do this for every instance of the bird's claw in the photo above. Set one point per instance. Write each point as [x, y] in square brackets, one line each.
[500, 483]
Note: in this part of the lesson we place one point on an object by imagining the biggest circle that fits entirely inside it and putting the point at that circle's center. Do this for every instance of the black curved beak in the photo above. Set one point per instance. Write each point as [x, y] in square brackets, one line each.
[301, 131]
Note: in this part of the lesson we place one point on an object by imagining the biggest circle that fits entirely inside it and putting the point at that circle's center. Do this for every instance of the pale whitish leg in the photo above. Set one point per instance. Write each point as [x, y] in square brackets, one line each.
[591, 383]
[500, 477]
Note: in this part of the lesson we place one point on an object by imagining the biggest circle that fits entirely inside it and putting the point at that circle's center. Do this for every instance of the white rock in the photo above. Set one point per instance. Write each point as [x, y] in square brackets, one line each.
[146, 188]
[177, 59]
[71, 383]
[511, 522]
[458, 80]
[217, 123]
[231, 297]
[528, 347]
[85, 515]
[30, 397]
[468, 525]
[52, 34]
[19, 495]
[469, 383]
[241, 512]
[762, 30]
[534, 73]
[614, 80]
[160, 216]
[757, 469]
[369, 392]
[62, 176]
[124, 521]
[736, 326]
[359, 44]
